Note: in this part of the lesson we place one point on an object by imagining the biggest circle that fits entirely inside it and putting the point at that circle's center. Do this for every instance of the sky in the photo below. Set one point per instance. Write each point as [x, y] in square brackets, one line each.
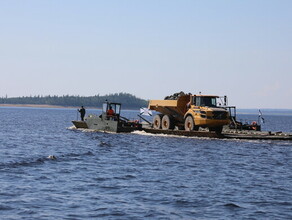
[151, 49]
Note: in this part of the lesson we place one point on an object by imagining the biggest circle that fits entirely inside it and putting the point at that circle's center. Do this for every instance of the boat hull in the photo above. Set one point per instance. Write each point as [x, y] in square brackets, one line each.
[80, 124]
[98, 123]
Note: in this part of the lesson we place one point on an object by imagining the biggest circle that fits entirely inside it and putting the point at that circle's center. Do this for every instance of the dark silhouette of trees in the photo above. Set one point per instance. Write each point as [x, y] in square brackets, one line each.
[127, 100]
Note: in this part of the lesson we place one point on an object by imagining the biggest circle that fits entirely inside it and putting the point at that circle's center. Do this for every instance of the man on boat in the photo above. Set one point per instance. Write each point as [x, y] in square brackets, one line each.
[82, 113]
[110, 112]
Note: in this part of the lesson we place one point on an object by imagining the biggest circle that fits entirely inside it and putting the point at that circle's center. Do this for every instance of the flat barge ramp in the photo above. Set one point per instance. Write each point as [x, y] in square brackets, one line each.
[247, 135]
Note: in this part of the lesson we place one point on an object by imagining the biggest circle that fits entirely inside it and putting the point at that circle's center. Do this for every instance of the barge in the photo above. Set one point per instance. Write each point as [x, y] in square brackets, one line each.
[247, 135]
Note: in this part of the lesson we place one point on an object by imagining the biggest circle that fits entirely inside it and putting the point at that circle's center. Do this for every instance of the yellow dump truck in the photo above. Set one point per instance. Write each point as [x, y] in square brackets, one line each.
[190, 112]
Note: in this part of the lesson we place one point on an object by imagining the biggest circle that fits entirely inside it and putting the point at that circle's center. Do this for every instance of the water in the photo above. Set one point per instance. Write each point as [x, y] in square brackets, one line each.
[137, 176]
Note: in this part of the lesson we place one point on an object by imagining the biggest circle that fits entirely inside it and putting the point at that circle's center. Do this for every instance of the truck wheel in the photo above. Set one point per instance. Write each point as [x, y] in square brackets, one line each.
[167, 122]
[189, 123]
[157, 122]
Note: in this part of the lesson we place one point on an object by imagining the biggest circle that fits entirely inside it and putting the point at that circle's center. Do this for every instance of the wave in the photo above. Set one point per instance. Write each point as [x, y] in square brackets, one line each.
[71, 128]
[5, 208]
[38, 161]
[171, 135]
[231, 205]
[87, 130]
[28, 162]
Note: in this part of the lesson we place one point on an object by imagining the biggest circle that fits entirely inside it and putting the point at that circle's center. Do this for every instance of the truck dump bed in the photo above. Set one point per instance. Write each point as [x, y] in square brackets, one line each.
[176, 108]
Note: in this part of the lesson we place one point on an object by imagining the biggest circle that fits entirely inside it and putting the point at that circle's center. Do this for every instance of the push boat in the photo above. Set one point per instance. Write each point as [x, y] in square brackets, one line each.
[108, 123]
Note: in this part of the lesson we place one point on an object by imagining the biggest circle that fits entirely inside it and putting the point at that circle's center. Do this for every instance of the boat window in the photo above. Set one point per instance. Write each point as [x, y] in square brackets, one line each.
[118, 109]
[104, 107]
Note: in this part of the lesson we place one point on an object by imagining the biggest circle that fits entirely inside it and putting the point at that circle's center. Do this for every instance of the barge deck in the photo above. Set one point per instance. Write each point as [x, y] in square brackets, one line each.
[255, 135]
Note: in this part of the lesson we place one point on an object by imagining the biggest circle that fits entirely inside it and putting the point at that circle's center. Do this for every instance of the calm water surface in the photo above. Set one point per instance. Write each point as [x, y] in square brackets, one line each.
[137, 176]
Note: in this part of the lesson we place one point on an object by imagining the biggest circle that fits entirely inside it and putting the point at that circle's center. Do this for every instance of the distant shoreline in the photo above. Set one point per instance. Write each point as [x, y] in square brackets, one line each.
[51, 106]
[40, 106]
[35, 106]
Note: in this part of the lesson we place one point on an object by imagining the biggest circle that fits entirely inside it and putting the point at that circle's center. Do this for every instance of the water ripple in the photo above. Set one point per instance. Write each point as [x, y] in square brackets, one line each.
[136, 176]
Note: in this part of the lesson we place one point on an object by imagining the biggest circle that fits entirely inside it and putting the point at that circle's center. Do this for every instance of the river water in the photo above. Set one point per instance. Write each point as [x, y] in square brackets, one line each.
[138, 175]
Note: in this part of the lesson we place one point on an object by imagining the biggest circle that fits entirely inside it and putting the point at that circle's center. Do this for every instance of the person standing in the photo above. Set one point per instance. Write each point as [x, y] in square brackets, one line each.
[82, 113]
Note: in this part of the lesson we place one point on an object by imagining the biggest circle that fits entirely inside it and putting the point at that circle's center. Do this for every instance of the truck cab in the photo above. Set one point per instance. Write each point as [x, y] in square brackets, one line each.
[206, 111]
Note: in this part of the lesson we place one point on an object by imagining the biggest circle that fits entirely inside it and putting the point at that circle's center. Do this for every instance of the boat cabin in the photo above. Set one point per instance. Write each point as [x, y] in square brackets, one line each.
[111, 111]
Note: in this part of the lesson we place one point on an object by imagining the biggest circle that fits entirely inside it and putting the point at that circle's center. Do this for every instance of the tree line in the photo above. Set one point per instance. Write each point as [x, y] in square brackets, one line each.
[127, 100]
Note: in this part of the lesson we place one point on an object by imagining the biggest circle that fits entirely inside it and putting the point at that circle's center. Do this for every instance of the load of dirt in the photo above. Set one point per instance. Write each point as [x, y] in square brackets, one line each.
[175, 96]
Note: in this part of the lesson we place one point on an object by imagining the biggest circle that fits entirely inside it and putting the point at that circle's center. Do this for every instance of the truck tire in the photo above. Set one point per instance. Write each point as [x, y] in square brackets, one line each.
[157, 122]
[189, 123]
[167, 122]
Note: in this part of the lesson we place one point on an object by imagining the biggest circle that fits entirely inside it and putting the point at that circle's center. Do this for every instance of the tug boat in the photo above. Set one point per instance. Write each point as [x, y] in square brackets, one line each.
[109, 121]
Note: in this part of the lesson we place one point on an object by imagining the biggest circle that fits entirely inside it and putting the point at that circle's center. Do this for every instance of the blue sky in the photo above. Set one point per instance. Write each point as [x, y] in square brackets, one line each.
[151, 48]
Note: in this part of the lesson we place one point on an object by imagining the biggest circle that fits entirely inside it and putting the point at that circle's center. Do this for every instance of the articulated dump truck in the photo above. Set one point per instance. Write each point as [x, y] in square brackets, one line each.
[189, 112]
